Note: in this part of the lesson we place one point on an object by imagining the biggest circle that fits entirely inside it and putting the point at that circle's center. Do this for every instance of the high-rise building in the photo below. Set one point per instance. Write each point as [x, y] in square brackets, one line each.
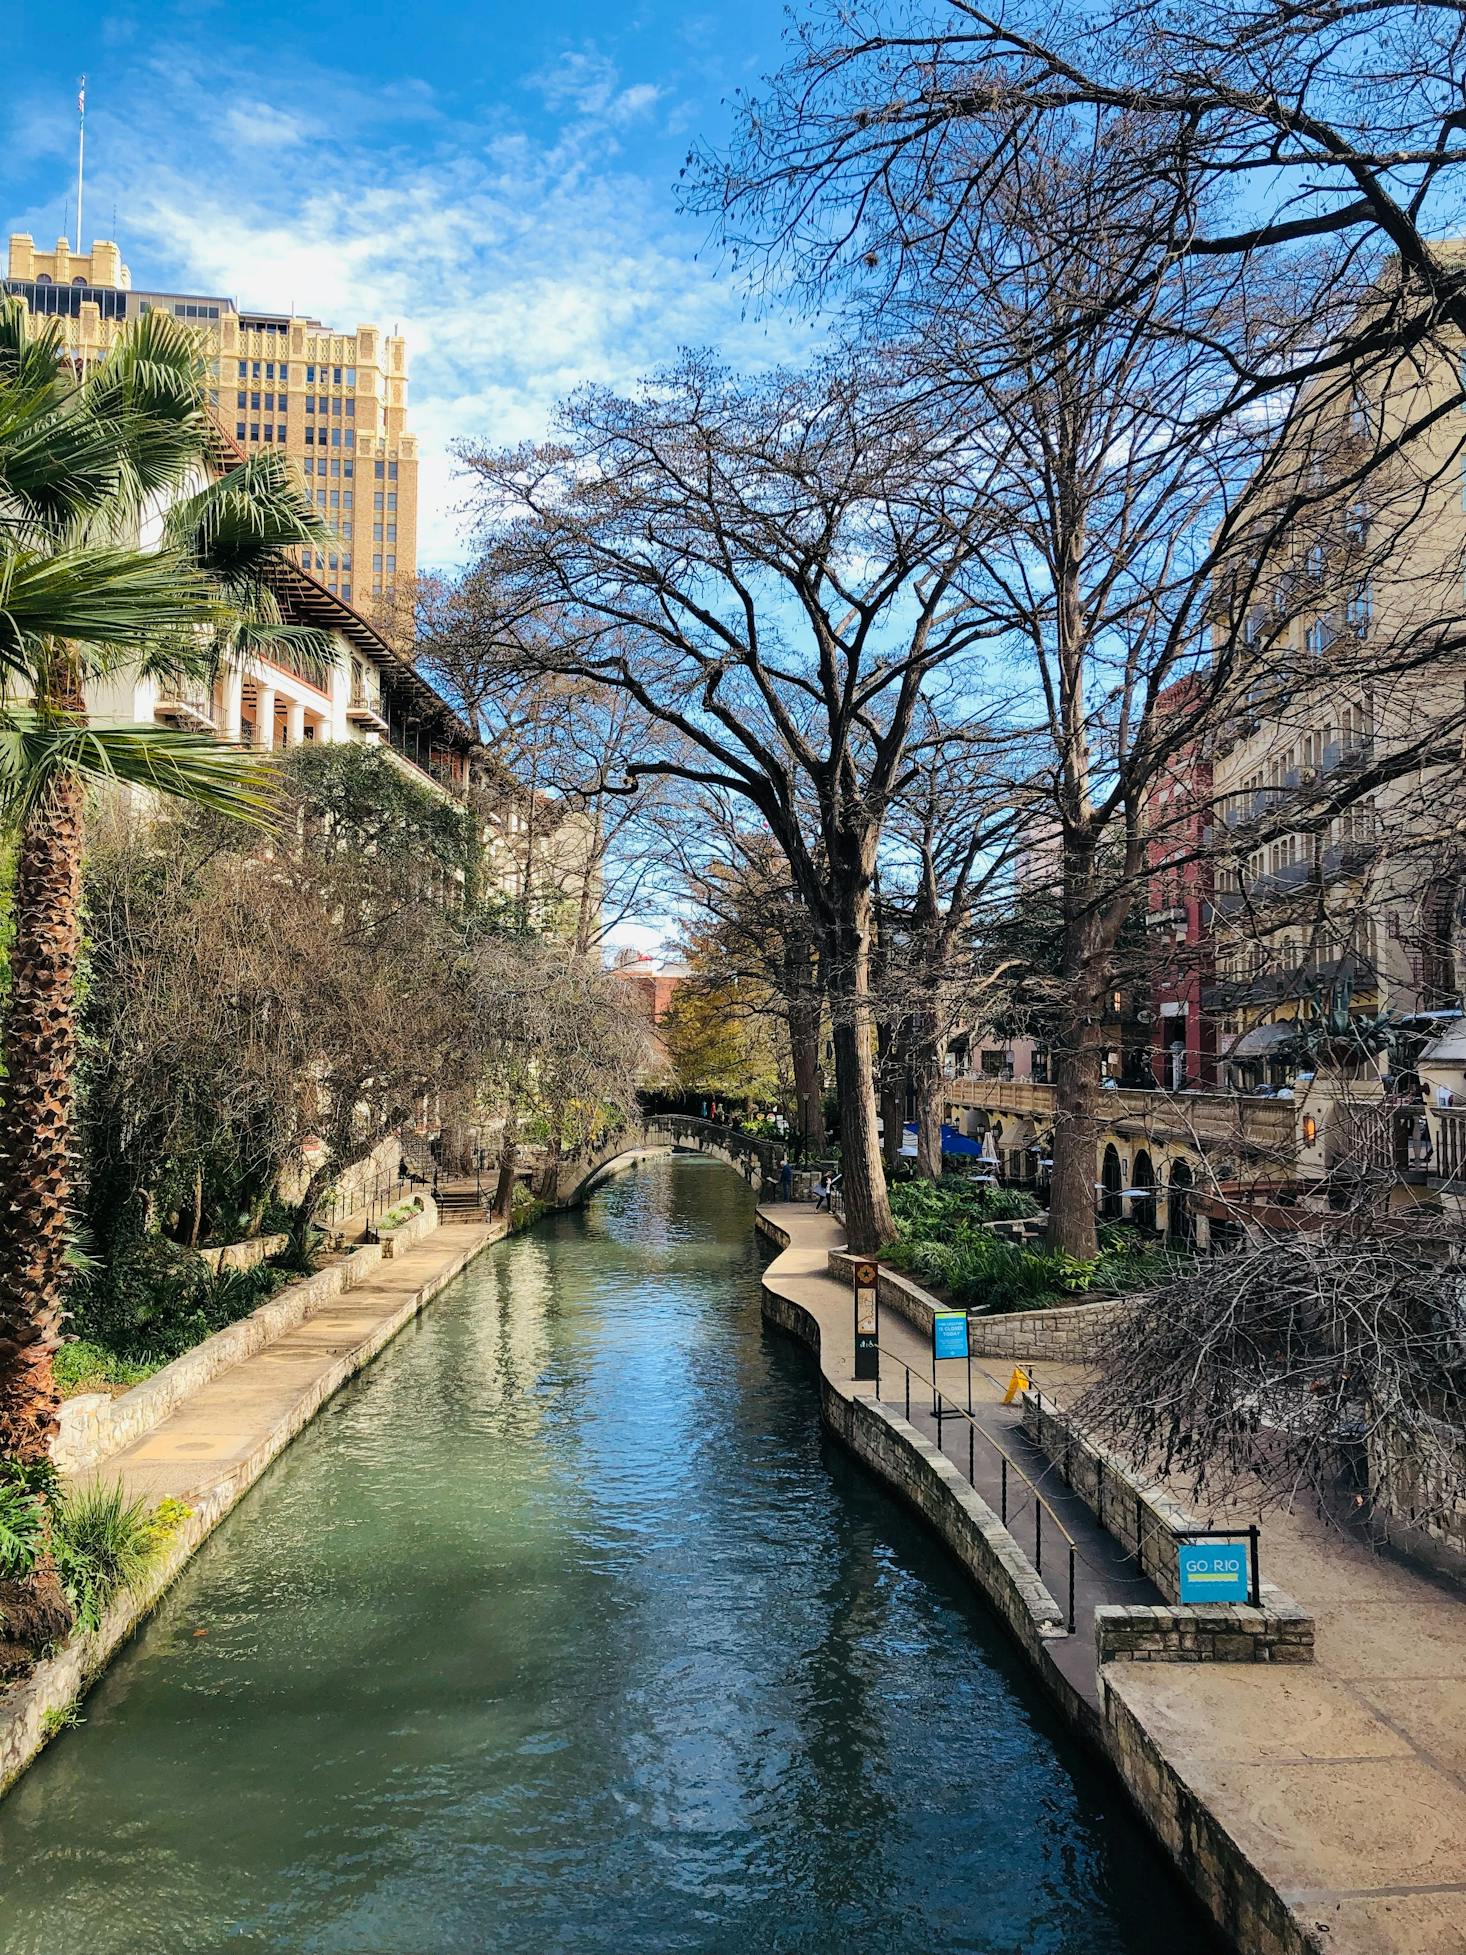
[336, 402]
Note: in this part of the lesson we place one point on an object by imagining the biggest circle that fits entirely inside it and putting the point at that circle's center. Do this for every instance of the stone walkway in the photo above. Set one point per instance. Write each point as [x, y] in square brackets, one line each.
[1344, 1781]
[259, 1404]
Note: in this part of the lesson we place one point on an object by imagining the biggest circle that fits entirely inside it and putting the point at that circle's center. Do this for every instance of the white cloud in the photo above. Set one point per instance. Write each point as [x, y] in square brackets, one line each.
[516, 266]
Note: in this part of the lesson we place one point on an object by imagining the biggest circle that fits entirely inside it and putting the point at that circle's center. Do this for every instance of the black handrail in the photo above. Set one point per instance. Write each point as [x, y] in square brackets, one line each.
[974, 1430]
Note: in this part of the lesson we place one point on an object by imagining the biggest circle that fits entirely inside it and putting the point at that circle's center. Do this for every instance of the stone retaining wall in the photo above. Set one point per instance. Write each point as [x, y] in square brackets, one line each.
[1067, 1334]
[929, 1482]
[1417, 1479]
[1145, 1519]
[93, 1426]
[397, 1242]
[1248, 1910]
[244, 1255]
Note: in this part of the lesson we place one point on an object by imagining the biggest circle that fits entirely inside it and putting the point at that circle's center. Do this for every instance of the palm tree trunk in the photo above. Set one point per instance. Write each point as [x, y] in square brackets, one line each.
[39, 1048]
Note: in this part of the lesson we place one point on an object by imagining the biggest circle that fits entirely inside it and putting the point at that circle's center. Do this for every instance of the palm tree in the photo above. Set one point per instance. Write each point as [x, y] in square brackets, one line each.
[85, 464]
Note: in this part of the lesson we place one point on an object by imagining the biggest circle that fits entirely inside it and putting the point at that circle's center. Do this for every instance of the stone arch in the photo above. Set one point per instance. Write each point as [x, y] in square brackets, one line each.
[1143, 1207]
[1112, 1180]
[1180, 1222]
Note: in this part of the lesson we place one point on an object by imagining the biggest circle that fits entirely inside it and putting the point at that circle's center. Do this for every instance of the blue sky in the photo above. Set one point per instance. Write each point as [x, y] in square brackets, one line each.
[495, 180]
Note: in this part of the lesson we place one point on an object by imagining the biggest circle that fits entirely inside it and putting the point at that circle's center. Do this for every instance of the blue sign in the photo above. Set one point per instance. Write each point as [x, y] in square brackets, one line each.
[1214, 1571]
[949, 1334]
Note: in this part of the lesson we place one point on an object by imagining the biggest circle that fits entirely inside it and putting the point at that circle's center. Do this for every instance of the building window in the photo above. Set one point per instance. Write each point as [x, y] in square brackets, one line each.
[391, 566]
[1359, 607]
[244, 370]
[336, 463]
[351, 376]
[1318, 637]
[269, 369]
[391, 532]
[335, 498]
[377, 500]
[243, 401]
[346, 499]
[284, 403]
[336, 377]
[310, 435]
[284, 370]
[239, 431]
[376, 566]
[391, 498]
[254, 370]
[254, 430]
[350, 409]
[380, 468]
[376, 532]
[269, 403]
[350, 468]
[391, 471]
[351, 437]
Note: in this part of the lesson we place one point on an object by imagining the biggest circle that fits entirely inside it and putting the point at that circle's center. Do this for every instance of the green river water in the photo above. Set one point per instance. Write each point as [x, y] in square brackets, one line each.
[560, 1631]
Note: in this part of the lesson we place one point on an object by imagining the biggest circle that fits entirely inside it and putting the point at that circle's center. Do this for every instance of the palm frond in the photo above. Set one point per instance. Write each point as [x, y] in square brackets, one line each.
[57, 465]
[150, 391]
[235, 526]
[113, 602]
[36, 749]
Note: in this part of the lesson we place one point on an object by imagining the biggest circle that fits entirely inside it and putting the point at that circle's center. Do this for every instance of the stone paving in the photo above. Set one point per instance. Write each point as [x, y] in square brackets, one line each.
[228, 1419]
[1343, 1782]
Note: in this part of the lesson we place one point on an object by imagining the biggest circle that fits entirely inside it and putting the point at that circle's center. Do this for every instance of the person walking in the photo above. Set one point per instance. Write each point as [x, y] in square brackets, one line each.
[786, 1179]
[821, 1194]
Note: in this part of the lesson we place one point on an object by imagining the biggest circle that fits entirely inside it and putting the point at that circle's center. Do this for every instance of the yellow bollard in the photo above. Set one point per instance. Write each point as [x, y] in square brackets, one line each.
[1019, 1382]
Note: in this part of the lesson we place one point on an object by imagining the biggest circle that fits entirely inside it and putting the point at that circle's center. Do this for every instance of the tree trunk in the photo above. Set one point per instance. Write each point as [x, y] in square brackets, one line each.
[508, 1161]
[808, 1076]
[1076, 1089]
[868, 1220]
[927, 1071]
[891, 1054]
[35, 1131]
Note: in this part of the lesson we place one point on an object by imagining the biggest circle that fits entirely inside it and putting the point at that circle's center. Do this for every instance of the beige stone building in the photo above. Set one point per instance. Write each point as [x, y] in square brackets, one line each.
[336, 402]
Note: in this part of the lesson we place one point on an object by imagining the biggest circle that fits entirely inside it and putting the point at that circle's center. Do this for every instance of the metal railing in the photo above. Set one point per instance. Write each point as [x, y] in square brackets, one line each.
[1007, 1466]
[375, 1198]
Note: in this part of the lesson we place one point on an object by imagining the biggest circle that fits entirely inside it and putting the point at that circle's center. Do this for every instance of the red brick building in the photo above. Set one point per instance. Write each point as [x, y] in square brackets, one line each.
[1179, 892]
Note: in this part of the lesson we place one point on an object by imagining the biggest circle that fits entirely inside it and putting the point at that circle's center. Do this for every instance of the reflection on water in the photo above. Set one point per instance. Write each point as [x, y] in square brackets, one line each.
[562, 1630]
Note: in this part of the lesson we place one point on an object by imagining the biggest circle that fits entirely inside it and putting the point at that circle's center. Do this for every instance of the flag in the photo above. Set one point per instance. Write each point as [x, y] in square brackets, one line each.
[81, 97]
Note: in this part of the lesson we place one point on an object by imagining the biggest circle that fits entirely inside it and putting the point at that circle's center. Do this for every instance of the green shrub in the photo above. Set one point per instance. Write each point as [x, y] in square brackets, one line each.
[82, 1366]
[155, 1300]
[102, 1542]
[22, 1519]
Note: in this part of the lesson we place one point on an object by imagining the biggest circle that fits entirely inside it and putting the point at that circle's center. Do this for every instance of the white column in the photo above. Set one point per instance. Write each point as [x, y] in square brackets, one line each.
[294, 723]
[233, 687]
[338, 726]
[264, 716]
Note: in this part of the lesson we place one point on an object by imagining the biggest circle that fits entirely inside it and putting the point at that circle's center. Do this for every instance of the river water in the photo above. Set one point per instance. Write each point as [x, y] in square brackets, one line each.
[561, 1631]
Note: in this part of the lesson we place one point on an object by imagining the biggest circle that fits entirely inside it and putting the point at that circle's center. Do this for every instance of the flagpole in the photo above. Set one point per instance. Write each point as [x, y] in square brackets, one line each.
[81, 144]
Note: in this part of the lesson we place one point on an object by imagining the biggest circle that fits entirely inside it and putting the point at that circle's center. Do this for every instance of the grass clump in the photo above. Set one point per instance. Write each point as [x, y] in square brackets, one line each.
[103, 1542]
[82, 1366]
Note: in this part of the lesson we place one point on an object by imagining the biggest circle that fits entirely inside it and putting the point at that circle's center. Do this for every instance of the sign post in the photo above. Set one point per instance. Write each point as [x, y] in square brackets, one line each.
[1218, 1567]
[867, 1321]
[949, 1340]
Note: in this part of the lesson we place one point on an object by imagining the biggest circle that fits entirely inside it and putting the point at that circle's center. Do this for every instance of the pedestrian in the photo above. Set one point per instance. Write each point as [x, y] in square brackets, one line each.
[786, 1179]
[821, 1194]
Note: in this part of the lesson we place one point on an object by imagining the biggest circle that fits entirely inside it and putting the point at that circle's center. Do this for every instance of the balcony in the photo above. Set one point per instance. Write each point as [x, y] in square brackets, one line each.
[1207, 1118]
[191, 711]
[1295, 982]
[366, 711]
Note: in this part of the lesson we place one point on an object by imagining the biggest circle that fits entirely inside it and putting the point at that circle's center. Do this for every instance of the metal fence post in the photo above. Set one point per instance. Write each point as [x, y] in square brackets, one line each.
[1256, 1570]
[1071, 1588]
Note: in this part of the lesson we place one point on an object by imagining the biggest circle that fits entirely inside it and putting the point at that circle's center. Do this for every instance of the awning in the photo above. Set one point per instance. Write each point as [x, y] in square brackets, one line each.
[1260, 1040]
[1448, 1050]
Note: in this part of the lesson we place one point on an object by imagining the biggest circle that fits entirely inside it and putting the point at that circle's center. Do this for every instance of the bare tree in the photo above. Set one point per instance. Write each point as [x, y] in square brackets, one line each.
[775, 572]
